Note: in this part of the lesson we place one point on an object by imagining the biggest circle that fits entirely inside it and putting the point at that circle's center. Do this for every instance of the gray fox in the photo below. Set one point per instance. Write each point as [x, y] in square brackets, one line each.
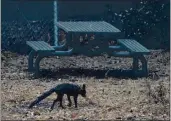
[61, 89]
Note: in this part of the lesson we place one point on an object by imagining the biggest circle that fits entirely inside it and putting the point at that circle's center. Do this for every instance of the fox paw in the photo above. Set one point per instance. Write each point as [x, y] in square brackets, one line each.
[62, 107]
[69, 105]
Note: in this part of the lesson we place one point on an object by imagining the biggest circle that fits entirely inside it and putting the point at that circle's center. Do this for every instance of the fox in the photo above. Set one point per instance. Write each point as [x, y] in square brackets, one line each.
[65, 88]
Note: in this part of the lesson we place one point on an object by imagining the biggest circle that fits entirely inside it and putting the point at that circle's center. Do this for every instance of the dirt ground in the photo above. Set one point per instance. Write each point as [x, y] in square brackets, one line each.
[111, 94]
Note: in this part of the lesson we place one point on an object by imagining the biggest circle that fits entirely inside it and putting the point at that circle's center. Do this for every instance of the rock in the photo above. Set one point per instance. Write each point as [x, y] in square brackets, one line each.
[36, 113]
[119, 118]
[131, 118]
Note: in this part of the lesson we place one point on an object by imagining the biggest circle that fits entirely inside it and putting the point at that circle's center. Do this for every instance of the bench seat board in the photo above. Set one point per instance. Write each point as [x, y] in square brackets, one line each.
[133, 46]
[40, 46]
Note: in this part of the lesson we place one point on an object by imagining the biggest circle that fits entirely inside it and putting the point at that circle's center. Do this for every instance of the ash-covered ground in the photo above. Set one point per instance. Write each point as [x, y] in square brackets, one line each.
[112, 92]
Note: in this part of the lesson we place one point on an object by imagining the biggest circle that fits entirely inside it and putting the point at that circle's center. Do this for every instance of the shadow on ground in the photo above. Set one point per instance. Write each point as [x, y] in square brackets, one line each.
[79, 72]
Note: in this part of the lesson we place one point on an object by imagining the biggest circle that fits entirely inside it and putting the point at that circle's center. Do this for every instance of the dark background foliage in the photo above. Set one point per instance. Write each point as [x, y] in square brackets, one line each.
[148, 23]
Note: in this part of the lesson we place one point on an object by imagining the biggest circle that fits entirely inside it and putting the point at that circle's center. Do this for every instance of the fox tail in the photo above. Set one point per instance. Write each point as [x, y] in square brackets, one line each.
[41, 97]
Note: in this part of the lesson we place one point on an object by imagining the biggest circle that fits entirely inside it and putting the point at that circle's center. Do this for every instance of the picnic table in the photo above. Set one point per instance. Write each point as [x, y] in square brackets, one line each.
[89, 38]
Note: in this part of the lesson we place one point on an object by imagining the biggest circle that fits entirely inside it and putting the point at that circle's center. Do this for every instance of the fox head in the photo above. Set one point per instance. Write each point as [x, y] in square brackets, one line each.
[83, 90]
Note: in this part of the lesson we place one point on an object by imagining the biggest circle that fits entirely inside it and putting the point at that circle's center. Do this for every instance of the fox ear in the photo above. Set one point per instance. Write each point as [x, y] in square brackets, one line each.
[84, 86]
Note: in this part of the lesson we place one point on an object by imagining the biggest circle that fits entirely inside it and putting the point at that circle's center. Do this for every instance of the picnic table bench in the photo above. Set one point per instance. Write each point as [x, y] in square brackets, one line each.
[96, 40]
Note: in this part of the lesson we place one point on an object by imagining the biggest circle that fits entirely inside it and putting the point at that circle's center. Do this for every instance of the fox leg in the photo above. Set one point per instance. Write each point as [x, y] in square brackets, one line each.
[75, 100]
[60, 100]
[57, 99]
[69, 99]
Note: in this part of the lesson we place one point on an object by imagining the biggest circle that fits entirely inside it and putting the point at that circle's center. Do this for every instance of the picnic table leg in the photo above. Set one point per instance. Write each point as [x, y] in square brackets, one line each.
[144, 65]
[37, 65]
[135, 65]
[30, 61]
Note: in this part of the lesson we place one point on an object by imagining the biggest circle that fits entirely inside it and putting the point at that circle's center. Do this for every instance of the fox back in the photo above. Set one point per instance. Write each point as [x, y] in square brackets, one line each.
[71, 89]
